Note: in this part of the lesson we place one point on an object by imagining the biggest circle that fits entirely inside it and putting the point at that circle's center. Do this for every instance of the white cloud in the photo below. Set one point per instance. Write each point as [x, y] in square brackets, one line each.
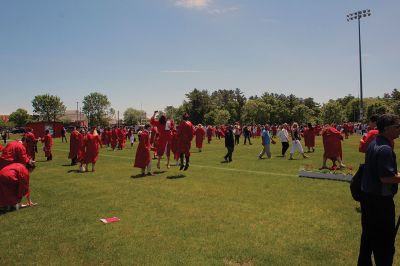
[193, 3]
[219, 11]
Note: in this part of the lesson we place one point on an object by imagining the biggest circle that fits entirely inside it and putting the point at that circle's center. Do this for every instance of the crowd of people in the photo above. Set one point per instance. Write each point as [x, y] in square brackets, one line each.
[162, 137]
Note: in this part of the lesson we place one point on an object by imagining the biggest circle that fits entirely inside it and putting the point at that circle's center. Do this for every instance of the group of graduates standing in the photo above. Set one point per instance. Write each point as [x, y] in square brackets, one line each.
[162, 136]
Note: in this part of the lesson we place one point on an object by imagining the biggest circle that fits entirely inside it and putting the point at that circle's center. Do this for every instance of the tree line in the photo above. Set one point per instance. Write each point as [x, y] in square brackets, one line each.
[219, 107]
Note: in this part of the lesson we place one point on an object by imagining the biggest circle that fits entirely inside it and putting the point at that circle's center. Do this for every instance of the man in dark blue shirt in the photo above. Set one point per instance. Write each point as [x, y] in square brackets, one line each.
[379, 184]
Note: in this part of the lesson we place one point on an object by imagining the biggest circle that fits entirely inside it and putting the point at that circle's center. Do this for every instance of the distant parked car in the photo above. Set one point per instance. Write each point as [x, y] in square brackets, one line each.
[18, 130]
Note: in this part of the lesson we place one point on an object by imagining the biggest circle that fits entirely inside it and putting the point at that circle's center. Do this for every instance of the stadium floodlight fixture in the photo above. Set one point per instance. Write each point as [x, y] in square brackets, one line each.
[353, 16]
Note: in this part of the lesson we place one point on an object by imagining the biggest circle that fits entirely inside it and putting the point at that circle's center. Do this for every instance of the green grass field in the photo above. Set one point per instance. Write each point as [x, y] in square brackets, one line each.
[248, 212]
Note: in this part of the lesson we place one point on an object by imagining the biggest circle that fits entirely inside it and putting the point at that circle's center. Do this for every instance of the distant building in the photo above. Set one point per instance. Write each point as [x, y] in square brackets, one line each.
[4, 118]
[74, 118]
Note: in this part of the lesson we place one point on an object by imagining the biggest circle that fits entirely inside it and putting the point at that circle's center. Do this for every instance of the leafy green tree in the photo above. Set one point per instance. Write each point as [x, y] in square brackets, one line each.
[133, 116]
[241, 101]
[332, 112]
[20, 117]
[48, 107]
[302, 114]
[96, 107]
[197, 105]
[352, 110]
[209, 118]
[378, 107]
[222, 117]
[256, 112]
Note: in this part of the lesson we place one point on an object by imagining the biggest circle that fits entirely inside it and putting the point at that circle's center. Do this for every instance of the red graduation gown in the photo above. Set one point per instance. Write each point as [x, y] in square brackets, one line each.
[74, 141]
[14, 152]
[309, 137]
[48, 144]
[367, 139]
[30, 142]
[200, 133]
[164, 135]
[331, 139]
[81, 148]
[114, 138]
[185, 136]
[142, 158]
[14, 184]
[92, 148]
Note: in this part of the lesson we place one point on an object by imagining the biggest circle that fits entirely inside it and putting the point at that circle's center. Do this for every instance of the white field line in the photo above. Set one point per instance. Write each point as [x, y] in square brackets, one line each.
[204, 166]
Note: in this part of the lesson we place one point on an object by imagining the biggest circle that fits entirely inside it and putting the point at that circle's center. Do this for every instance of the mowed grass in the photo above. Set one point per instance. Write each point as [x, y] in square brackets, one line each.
[248, 212]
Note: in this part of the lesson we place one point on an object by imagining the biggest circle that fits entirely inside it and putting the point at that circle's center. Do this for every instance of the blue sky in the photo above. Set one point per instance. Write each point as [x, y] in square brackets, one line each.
[150, 53]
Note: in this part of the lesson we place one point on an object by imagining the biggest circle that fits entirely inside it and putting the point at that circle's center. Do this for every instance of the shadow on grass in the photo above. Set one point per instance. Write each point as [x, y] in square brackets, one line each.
[224, 162]
[137, 176]
[67, 165]
[75, 171]
[358, 209]
[176, 176]
[158, 172]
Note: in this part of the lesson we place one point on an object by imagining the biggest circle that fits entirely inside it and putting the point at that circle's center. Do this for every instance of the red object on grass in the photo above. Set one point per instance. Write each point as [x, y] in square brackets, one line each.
[110, 220]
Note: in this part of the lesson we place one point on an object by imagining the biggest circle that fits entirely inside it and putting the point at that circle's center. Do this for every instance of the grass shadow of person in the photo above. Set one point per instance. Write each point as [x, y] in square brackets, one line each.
[138, 176]
[176, 176]
[158, 172]
[75, 171]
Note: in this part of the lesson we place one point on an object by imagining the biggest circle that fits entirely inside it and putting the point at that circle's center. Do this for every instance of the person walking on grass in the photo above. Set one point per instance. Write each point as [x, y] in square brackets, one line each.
[63, 135]
[229, 144]
[283, 136]
[266, 142]
[48, 144]
[296, 144]
[247, 134]
[200, 133]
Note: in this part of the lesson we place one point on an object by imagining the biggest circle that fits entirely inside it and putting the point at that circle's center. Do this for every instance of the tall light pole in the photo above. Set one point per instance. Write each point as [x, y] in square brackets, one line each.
[357, 16]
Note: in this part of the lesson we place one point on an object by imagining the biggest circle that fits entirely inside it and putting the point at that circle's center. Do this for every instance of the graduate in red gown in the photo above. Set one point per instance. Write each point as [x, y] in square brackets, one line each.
[185, 136]
[200, 133]
[309, 137]
[121, 138]
[48, 145]
[142, 158]
[92, 142]
[1, 147]
[81, 149]
[346, 130]
[332, 140]
[14, 152]
[210, 132]
[30, 143]
[175, 145]
[370, 136]
[14, 185]
[114, 138]
[74, 142]
[164, 136]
